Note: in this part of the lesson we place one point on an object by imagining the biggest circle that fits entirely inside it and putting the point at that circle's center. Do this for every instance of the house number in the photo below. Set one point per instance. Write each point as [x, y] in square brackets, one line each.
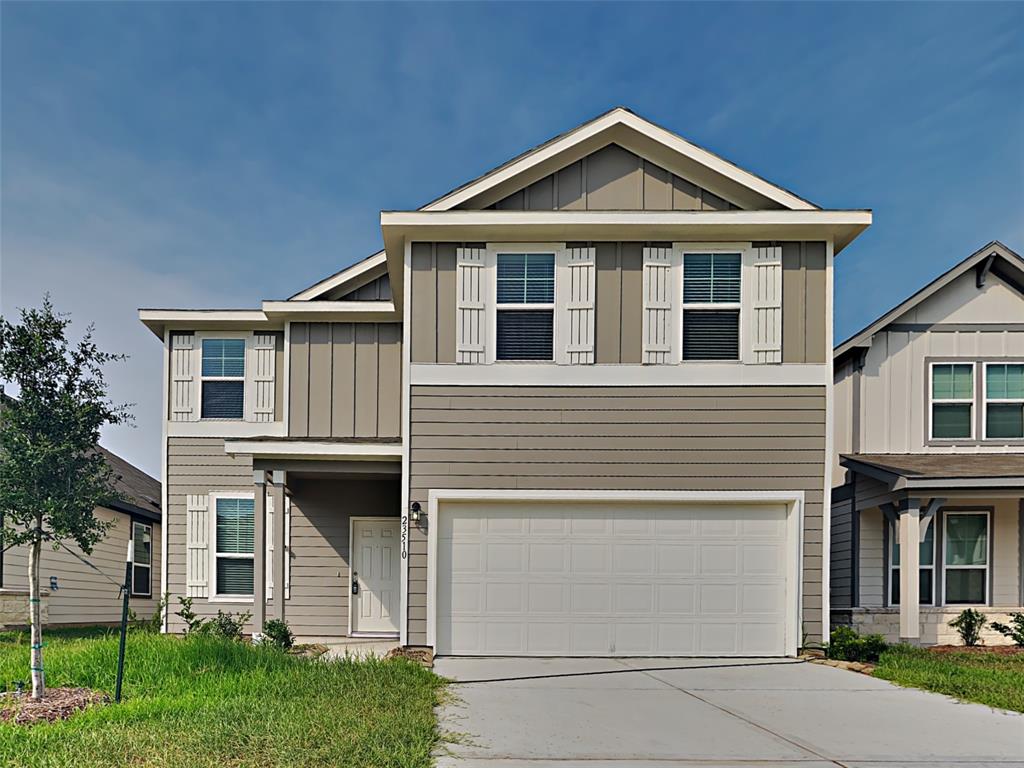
[405, 536]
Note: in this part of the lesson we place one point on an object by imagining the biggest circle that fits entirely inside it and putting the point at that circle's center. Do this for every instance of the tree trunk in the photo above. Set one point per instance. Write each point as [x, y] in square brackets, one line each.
[35, 617]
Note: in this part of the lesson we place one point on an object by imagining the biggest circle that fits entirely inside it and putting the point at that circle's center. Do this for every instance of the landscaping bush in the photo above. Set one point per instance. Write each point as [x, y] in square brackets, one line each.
[845, 644]
[969, 625]
[278, 634]
[1015, 631]
[228, 625]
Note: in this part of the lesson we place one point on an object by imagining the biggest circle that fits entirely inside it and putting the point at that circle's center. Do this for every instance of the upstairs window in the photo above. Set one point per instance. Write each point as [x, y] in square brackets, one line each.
[223, 378]
[711, 306]
[235, 538]
[952, 406]
[1004, 401]
[525, 306]
[142, 559]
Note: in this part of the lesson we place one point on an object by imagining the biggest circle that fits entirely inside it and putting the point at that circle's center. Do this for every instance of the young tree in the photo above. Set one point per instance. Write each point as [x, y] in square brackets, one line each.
[51, 476]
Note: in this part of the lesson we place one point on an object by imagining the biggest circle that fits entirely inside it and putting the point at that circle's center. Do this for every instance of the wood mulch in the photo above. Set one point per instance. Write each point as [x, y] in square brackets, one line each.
[1001, 650]
[56, 704]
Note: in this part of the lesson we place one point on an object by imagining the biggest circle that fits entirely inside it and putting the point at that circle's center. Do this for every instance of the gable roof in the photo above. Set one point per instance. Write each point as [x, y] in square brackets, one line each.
[365, 269]
[140, 492]
[993, 258]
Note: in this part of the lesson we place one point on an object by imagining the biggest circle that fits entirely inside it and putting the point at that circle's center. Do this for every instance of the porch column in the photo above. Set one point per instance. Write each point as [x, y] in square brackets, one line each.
[278, 566]
[910, 564]
[259, 559]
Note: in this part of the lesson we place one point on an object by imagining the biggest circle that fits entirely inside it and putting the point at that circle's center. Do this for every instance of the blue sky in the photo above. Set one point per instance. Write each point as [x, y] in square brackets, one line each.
[218, 154]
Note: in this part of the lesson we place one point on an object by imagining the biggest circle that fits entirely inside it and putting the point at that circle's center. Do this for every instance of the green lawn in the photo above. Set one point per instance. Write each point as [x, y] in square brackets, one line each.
[210, 702]
[987, 678]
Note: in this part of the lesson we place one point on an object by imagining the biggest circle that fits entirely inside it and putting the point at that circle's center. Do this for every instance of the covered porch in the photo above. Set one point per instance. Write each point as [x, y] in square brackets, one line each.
[931, 535]
[336, 549]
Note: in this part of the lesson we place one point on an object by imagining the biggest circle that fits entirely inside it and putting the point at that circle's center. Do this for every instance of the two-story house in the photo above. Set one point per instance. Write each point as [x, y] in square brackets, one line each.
[928, 512]
[577, 406]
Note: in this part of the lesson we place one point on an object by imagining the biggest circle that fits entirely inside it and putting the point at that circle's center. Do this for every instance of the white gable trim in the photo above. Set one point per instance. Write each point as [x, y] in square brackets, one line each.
[359, 269]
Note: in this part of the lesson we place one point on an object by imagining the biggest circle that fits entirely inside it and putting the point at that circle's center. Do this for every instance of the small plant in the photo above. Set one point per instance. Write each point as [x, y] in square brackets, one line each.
[1015, 631]
[278, 634]
[154, 622]
[846, 644]
[193, 622]
[228, 625]
[969, 625]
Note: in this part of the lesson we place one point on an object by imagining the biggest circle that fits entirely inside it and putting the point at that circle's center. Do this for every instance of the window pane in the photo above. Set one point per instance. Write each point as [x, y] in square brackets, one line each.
[223, 357]
[711, 277]
[1004, 382]
[142, 542]
[525, 334]
[140, 580]
[223, 399]
[725, 285]
[952, 382]
[965, 586]
[924, 586]
[966, 539]
[711, 334]
[926, 549]
[1004, 420]
[526, 278]
[235, 530]
[511, 291]
[234, 576]
[951, 420]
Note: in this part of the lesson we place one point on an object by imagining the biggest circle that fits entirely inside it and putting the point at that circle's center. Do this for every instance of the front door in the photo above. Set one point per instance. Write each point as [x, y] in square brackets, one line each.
[375, 580]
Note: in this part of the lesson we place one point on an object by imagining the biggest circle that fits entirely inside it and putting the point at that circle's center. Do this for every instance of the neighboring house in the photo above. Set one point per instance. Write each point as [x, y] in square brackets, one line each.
[577, 406]
[929, 408]
[80, 594]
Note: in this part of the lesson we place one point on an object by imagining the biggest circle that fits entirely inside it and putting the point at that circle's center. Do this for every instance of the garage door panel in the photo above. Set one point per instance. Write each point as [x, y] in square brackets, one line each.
[547, 557]
[677, 599]
[586, 558]
[675, 559]
[719, 559]
[632, 559]
[762, 560]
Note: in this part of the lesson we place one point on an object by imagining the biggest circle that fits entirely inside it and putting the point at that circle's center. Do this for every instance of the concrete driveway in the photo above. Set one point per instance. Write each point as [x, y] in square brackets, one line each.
[657, 713]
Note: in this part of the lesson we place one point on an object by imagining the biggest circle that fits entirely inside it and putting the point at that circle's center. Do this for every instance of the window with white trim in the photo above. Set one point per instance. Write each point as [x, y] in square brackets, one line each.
[926, 570]
[952, 401]
[234, 537]
[142, 559]
[223, 378]
[1004, 401]
[965, 546]
[711, 306]
[525, 310]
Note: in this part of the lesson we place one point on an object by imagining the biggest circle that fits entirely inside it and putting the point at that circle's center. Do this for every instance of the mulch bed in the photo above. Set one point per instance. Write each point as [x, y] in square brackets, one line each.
[1002, 650]
[56, 704]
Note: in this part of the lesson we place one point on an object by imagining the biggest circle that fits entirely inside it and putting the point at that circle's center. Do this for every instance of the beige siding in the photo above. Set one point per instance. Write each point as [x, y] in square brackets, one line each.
[656, 438]
[872, 559]
[611, 179]
[345, 380]
[84, 596]
[432, 322]
[1005, 553]
[804, 319]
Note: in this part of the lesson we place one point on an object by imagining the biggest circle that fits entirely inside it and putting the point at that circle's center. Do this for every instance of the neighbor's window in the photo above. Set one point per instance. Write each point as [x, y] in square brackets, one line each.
[1004, 400]
[223, 378]
[952, 406]
[711, 306]
[234, 542]
[966, 558]
[525, 306]
[926, 571]
[142, 559]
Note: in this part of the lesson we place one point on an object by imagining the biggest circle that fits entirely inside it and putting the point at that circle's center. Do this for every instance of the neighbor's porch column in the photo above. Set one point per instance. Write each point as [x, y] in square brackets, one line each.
[280, 556]
[259, 559]
[910, 564]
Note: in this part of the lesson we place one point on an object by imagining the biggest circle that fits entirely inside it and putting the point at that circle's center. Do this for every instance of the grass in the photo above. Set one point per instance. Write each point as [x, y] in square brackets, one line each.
[987, 678]
[210, 702]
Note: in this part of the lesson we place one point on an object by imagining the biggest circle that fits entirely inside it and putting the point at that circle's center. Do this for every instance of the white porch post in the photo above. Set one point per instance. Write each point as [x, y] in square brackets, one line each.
[910, 564]
[259, 565]
[278, 566]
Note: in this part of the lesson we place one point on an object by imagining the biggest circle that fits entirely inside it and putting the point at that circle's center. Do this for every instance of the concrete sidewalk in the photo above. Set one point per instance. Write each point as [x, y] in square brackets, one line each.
[600, 713]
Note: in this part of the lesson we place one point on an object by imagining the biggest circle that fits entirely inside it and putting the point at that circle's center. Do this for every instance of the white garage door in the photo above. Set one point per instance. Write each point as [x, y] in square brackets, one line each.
[550, 579]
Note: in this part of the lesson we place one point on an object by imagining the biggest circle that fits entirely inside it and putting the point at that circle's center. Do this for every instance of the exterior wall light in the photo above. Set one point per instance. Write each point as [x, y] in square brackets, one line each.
[416, 513]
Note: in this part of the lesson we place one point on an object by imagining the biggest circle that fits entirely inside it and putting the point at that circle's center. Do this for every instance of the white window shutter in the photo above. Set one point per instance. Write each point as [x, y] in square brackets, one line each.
[287, 548]
[197, 536]
[661, 301]
[183, 378]
[763, 305]
[260, 371]
[575, 288]
[471, 311]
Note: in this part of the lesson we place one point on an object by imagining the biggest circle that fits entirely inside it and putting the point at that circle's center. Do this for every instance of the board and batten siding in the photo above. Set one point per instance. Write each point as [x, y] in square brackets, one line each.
[649, 438]
[346, 380]
[84, 596]
[618, 323]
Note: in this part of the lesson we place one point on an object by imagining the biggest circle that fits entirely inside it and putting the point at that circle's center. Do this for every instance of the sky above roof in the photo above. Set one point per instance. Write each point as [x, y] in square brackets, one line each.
[213, 155]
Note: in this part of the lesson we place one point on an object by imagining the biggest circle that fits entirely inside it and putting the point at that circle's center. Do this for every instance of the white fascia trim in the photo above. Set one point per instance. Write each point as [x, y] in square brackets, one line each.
[489, 218]
[651, 131]
[226, 429]
[327, 284]
[794, 528]
[404, 527]
[631, 375]
[312, 449]
[826, 508]
[316, 309]
[165, 389]
[157, 320]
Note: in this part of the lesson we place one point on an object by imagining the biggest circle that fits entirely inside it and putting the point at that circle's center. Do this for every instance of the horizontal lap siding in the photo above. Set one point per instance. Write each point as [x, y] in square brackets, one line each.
[841, 558]
[611, 438]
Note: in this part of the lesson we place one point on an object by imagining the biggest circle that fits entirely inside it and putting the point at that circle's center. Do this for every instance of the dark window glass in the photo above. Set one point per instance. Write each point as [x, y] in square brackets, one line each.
[224, 357]
[924, 586]
[965, 586]
[1004, 420]
[951, 420]
[711, 334]
[223, 399]
[525, 334]
[234, 576]
[711, 278]
[526, 278]
[140, 580]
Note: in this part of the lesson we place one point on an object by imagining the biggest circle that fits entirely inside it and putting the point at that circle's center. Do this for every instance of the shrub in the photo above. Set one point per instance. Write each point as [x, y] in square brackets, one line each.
[846, 645]
[227, 625]
[278, 634]
[969, 625]
[154, 622]
[1015, 631]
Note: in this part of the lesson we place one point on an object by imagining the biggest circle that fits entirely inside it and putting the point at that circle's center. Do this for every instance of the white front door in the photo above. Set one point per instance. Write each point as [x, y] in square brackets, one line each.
[375, 579]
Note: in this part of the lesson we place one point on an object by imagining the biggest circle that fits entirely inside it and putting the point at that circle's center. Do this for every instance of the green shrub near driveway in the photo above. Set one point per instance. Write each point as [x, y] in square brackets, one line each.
[969, 625]
[206, 701]
[846, 645]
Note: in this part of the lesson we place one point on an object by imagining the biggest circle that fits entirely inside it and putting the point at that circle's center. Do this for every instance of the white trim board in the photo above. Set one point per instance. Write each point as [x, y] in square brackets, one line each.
[404, 530]
[794, 529]
[312, 449]
[357, 270]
